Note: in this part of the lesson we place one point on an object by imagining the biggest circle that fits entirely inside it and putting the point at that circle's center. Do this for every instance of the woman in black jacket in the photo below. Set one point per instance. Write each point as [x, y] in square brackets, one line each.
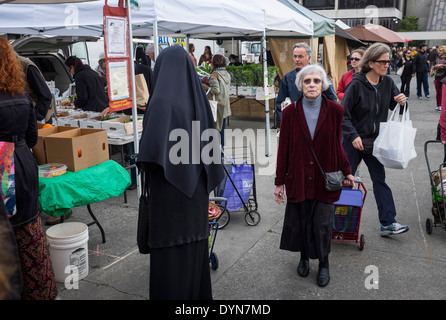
[406, 76]
[90, 87]
[367, 101]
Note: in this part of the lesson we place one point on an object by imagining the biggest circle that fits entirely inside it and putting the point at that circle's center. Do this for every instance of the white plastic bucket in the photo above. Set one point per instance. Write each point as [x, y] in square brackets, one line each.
[68, 246]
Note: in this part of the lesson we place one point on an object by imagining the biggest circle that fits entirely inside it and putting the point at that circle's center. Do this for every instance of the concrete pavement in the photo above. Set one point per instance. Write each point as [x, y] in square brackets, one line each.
[251, 265]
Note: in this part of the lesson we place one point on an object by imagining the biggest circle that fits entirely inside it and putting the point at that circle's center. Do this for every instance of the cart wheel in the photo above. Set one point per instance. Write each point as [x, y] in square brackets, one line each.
[429, 226]
[224, 218]
[214, 261]
[361, 242]
[252, 218]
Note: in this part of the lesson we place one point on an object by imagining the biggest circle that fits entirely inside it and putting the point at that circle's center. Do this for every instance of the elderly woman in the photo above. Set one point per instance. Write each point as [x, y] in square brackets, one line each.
[366, 102]
[314, 119]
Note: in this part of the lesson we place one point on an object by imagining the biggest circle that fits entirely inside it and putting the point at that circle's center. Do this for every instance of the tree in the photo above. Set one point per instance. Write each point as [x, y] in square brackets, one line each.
[409, 23]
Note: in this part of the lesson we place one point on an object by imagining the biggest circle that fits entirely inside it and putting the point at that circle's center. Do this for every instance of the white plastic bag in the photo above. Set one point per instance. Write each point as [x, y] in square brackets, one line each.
[213, 103]
[395, 145]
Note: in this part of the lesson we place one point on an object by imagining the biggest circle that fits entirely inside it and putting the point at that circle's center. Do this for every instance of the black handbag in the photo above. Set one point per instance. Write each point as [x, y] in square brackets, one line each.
[333, 181]
[142, 234]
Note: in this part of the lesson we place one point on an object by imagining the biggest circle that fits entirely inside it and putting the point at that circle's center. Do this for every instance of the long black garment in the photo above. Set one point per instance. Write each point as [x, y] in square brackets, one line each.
[307, 228]
[179, 192]
[19, 124]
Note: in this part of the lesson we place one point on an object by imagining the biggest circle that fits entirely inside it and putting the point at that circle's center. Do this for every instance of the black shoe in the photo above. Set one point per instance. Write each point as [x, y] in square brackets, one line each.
[323, 277]
[303, 269]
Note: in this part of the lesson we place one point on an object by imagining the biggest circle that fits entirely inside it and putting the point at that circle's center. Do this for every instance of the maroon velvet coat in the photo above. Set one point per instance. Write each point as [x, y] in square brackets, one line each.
[296, 167]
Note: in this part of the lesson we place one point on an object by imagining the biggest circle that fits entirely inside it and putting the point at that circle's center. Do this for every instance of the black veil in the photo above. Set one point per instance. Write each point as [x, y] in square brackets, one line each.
[178, 108]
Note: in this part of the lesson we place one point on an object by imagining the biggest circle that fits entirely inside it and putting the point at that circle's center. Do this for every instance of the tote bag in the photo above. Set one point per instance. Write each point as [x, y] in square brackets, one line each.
[395, 145]
[213, 104]
[400, 71]
[7, 175]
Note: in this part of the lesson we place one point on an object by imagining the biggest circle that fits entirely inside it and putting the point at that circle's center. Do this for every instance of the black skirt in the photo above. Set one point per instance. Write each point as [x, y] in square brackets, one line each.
[307, 228]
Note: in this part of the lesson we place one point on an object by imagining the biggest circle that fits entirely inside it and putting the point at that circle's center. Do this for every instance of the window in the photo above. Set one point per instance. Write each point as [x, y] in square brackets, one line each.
[319, 4]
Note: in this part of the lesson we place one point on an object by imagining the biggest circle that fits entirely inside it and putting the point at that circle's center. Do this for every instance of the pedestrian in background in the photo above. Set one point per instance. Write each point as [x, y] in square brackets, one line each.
[420, 68]
[439, 70]
[309, 210]
[19, 125]
[366, 102]
[346, 78]
[406, 75]
[301, 56]
[90, 87]
[219, 82]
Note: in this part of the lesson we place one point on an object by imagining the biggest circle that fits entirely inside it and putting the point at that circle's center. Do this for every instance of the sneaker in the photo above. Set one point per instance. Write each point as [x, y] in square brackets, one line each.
[394, 228]
[438, 109]
[419, 98]
[407, 98]
[428, 96]
[358, 176]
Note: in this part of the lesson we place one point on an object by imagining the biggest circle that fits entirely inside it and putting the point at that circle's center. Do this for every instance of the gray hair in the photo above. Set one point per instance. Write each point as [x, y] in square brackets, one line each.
[371, 54]
[312, 68]
[305, 46]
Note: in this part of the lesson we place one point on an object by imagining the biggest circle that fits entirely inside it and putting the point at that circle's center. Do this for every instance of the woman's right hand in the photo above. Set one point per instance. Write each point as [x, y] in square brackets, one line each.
[357, 144]
[279, 193]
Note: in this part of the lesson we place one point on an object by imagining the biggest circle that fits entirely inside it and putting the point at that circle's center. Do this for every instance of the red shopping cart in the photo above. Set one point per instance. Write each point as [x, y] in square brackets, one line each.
[347, 215]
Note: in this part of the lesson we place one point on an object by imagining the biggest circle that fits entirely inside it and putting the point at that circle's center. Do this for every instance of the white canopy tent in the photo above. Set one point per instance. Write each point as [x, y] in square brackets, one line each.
[192, 18]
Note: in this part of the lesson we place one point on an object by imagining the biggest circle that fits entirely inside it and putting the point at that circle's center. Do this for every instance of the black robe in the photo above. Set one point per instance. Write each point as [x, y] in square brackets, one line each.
[179, 193]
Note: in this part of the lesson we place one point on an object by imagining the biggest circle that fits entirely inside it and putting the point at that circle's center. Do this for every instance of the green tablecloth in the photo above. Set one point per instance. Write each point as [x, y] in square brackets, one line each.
[58, 195]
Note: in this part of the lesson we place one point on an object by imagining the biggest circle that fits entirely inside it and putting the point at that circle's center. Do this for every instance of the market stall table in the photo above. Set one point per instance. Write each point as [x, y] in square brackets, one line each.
[58, 195]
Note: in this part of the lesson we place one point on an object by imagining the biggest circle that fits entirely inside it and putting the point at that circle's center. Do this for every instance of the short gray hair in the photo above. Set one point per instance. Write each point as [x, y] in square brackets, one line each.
[305, 46]
[312, 68]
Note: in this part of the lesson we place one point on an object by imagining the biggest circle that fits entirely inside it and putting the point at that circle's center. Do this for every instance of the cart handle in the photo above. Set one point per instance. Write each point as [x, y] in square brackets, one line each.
[427, 160]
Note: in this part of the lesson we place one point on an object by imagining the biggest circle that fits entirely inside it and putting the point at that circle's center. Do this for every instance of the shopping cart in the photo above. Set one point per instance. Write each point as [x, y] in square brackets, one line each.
[215, 213]
[347, 215]
[239, 188]
[437, 190]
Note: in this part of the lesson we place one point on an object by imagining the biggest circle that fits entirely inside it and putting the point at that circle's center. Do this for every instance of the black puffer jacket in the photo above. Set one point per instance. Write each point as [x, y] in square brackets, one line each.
[420, 62]
[90, 90]
[365, 107]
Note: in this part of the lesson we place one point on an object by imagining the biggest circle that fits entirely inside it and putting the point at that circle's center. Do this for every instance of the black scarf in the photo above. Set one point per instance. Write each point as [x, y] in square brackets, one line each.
[177, 101]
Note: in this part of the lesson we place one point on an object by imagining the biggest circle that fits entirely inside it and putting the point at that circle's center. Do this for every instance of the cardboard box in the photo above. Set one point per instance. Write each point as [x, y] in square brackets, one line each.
[78, 148]
[39, 150]
[120, 127]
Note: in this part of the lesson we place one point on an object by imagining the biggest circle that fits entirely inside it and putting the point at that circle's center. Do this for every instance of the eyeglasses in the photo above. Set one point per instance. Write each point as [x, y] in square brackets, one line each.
[382, 62]
[355, 59]
[316, 81]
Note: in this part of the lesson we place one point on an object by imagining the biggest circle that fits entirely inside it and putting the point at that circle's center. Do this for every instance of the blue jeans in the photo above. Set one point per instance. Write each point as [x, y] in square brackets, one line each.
[422, 79]
[382, 192]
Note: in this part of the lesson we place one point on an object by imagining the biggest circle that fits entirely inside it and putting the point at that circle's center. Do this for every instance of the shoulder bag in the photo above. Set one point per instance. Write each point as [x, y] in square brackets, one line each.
[333, 181]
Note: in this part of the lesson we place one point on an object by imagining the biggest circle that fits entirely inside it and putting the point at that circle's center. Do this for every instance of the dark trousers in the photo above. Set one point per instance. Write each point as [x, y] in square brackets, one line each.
[422, 79]
[405, 85]
[382, 192]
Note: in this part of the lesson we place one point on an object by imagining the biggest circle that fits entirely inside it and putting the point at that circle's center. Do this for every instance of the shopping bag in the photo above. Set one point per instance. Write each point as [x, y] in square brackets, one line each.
[395, 145]
[213, 103]
[400, 71]
[239, 191]
[7, 174]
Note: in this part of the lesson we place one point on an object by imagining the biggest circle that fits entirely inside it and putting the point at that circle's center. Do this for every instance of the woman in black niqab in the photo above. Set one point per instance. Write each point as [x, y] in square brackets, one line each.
[179, 192]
